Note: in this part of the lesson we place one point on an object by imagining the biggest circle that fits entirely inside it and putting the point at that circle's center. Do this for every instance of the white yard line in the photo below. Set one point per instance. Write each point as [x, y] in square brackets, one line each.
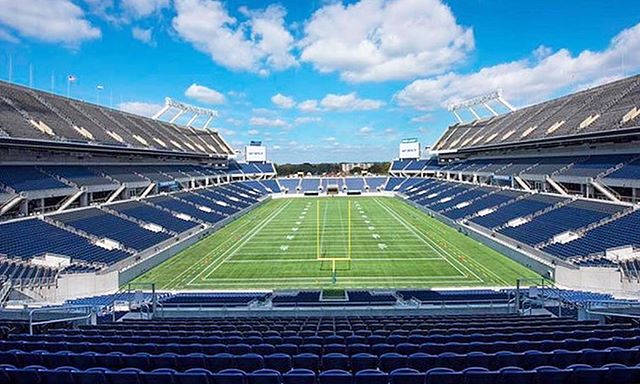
[353, 260]
[235, 250]
[196, 264]
[426, 240]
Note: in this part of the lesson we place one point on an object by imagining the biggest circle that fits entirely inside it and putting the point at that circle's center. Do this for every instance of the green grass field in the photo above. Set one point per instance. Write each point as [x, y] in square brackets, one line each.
[287, 243]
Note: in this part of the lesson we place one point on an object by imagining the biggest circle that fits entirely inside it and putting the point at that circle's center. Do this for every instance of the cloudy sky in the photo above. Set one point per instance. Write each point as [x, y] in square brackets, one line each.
[318, 80]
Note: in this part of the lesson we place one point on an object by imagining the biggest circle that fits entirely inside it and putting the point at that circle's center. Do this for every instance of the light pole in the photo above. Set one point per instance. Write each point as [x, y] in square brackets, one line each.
[98, 89]
[70, 79]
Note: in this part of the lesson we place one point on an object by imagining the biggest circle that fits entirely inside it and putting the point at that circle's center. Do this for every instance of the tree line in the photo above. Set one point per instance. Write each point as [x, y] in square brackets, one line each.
[379, 168]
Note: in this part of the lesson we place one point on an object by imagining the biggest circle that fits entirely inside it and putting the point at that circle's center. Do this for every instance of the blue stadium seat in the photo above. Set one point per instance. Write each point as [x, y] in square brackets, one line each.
[335, 376]
[265, 376]
[406, 376]
[371, 376]
[230, 376]
[299, 376]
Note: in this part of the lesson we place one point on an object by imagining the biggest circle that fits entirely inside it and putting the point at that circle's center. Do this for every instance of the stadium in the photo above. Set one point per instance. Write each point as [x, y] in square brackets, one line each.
[152, 248]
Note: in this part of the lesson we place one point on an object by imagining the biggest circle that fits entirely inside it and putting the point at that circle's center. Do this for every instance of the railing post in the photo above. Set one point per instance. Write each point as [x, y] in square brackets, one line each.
[517, 303]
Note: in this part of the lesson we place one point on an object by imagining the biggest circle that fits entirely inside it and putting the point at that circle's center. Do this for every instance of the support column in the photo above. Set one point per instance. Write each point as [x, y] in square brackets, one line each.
[84, 200]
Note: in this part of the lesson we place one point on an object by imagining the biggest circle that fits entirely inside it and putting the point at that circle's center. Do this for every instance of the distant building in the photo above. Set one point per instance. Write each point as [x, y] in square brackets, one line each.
[347, 167]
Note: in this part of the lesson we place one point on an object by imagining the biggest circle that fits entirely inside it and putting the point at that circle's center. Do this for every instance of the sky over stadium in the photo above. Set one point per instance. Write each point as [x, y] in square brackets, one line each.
[318, 80]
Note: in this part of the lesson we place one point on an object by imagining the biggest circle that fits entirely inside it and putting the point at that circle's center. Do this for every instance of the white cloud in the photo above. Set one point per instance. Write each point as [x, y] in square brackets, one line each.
[307, 119]
[143, 8]
[267, 122]
[260, 44]
[283, 101]
[422, 118]
[204, 94]
[140, 108]
[238, 94]
[264, 111]
[227, 132]
[365, 130]
[253, 132]
[144, 35]
[234, 121]
[309, 106]
[271, 37]
[8, 37]
[532, 79]
[375, 40]
[58, 21]
[349, 102]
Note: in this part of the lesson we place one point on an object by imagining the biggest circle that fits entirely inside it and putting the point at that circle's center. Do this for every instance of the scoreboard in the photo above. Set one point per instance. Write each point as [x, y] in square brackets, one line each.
[409, 149]
[255, 152]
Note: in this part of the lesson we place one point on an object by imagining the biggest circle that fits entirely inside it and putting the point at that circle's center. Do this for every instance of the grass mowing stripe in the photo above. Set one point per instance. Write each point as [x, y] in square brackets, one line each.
[471, 260]
[233, 228]
[233, 251]
[440, 252]
[385, 253]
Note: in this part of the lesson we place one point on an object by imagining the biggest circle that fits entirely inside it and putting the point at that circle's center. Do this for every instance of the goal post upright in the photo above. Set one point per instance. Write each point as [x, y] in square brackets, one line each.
[334, 260]
[349, 229]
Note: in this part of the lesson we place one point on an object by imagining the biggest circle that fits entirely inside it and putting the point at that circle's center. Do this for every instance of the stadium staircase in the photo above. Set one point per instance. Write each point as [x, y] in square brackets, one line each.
[66, 203]
[12, 199]
[4, 292]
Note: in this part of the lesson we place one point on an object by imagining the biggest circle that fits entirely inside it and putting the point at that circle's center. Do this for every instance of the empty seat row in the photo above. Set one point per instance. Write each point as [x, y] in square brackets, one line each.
[290, 348]
[612, 373]
[282, 362]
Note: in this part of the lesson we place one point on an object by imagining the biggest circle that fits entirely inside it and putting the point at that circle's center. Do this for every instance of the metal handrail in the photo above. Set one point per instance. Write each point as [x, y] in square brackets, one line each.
[52, 321]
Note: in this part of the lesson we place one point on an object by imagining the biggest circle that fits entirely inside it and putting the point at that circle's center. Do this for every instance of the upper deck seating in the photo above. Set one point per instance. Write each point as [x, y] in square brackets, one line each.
[27, 178]
[78, 175]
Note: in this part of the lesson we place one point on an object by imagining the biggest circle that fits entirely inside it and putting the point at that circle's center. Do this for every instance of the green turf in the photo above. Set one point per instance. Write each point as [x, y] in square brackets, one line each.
[393, 245]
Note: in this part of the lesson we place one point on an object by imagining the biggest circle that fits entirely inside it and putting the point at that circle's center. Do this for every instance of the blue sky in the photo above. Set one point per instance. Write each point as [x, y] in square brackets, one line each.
[319, 80]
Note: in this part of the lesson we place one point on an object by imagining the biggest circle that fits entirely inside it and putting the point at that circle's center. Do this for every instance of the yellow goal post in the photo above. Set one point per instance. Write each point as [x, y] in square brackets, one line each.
[333, 260]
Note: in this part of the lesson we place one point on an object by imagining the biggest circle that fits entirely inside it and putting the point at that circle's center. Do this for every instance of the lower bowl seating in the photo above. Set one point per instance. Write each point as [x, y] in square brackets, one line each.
[328, 350]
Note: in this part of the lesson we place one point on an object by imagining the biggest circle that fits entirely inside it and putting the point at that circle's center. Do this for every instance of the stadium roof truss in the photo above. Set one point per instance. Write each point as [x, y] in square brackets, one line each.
[483, 101]
[183, 108]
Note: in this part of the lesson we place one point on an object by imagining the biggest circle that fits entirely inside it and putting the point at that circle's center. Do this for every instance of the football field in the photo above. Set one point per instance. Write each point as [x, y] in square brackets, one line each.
[345, 242]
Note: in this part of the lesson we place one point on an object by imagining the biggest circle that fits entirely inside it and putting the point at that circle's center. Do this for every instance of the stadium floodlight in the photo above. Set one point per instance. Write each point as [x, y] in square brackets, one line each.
[183, 108]
[483, 101]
